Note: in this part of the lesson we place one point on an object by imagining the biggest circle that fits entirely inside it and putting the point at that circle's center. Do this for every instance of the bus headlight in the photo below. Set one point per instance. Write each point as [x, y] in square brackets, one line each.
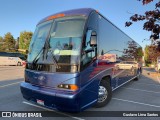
[68, 86]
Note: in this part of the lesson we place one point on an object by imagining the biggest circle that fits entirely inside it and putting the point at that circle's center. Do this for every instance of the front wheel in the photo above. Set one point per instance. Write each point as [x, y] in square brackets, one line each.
[104, 94]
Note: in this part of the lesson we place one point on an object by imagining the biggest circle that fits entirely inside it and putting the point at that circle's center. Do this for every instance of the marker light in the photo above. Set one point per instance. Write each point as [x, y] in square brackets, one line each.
[68, 86]
[55, 16]
[73, 87]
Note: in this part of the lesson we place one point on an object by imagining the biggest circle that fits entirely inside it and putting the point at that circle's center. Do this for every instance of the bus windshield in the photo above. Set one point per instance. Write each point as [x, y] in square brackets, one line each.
[38, 40]
[63, 37]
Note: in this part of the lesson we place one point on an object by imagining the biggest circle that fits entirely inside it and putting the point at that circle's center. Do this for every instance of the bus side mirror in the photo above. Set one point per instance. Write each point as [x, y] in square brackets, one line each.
[89, 50]
[93, 40]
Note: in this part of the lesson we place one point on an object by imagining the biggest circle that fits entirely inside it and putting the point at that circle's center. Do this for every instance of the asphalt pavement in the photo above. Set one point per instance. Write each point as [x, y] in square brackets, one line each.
[141, 95]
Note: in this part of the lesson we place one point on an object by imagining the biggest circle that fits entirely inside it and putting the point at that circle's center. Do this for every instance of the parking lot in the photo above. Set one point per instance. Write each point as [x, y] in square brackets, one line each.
[142, 95]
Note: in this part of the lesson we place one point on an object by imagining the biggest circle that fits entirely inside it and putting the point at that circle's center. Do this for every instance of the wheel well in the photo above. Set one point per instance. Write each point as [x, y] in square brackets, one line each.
[107, 79]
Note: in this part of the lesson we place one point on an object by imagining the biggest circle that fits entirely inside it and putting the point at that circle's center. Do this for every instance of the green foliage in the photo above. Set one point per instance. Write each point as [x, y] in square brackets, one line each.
[151, 54]
[24, 40]
[9, 43]
[146, 55]
[139, 52]
[1, 39]
[1, 43]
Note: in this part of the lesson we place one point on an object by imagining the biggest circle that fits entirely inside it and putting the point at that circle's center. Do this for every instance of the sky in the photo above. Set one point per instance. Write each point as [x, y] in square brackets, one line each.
[23, 15]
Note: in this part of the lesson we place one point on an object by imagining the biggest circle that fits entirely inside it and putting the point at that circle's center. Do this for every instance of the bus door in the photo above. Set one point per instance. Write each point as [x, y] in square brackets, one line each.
[88, 67]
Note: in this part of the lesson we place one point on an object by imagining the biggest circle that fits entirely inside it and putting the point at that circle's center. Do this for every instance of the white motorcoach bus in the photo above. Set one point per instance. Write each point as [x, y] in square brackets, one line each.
[11, 58]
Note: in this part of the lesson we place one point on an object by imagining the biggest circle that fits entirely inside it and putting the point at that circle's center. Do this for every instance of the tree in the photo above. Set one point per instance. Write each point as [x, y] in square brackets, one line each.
[152, 20]
[151, 54]
[139, 53]
[24, 40]
[1, 43]
[133, 51]
[146, 55]
[9, 43]
[1, 39]
[17, 44]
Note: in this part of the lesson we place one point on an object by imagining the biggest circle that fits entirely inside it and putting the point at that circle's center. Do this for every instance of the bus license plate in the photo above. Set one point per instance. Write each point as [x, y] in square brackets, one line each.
[40, 102]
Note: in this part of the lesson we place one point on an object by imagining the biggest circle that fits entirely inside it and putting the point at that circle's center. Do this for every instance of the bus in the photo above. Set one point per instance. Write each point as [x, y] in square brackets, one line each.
[9, 58]
[72, 61]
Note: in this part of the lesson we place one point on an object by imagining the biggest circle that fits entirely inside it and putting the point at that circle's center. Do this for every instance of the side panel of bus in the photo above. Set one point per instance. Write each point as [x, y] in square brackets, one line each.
[9, 60]
[112, 40]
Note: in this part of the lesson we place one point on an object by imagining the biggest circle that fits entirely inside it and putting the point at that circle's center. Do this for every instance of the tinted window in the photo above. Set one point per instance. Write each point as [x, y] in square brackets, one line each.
[114, 41]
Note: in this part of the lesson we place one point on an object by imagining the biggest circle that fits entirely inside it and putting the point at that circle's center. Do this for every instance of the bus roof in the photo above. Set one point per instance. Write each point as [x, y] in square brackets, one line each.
[81, 11]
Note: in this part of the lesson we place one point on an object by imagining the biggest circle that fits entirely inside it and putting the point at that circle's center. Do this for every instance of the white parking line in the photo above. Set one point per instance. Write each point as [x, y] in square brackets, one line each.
[9, 84]
[77, 118]
[136, 102]
[124, 83]
[139, 90]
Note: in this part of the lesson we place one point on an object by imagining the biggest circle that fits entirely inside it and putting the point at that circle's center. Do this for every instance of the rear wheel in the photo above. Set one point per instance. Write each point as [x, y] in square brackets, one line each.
[18, 64]
[104, 94]
[138, 74]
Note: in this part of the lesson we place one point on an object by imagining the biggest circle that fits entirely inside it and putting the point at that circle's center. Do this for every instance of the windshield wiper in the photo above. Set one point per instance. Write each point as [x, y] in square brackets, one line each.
[36, 58]
[43, 50]
[53, 57]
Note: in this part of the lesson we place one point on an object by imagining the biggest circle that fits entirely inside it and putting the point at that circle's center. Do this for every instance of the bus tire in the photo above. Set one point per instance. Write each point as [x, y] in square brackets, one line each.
[104, 94]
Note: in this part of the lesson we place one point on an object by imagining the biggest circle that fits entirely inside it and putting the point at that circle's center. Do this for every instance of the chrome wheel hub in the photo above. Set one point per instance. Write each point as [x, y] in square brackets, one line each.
[102, 94]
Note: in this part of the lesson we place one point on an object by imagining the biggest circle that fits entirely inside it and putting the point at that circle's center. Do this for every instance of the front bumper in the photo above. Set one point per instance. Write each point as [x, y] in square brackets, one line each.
[53, 98]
